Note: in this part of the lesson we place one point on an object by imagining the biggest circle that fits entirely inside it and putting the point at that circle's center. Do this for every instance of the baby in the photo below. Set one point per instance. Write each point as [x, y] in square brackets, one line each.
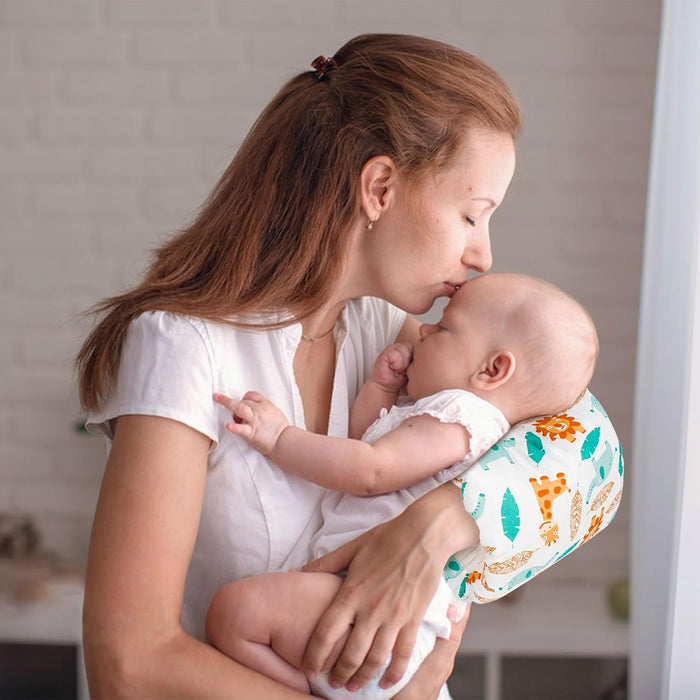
[508, 347]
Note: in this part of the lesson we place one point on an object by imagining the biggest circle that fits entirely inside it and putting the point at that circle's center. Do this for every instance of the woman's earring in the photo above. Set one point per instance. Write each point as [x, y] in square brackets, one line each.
[370, 224]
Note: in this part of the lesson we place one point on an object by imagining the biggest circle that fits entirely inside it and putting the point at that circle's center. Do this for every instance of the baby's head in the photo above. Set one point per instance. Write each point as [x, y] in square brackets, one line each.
[516, 341]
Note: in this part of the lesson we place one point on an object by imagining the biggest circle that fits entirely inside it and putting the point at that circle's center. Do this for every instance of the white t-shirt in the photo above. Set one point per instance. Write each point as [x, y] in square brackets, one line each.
[254, 514]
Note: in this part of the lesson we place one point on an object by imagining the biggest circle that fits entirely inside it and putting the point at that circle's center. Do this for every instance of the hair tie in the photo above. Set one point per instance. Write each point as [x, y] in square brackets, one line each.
[323, 66]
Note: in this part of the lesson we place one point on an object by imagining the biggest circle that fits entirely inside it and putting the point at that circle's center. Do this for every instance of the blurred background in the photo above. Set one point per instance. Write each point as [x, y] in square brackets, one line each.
[117, 117]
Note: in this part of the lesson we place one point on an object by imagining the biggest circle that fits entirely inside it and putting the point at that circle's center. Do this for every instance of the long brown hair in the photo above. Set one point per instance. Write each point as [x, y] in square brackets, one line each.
[272, 235]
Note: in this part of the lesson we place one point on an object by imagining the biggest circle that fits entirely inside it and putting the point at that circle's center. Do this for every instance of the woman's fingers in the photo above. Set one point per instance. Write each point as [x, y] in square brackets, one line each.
[351, 658]
[330, 628]
[377, 656]
[436, 668]
[401, 655]
[334, 562]
[339, 616]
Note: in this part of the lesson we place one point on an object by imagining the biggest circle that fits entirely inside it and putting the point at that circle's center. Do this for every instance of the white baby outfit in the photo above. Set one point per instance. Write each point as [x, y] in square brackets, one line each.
[346, 516]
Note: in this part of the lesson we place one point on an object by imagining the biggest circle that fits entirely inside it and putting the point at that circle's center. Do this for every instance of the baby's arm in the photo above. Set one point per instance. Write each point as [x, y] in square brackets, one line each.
[382, 389]
[419, 447]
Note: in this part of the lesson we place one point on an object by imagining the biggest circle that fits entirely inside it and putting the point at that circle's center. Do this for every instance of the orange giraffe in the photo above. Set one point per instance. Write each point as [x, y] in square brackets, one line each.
[546, 491]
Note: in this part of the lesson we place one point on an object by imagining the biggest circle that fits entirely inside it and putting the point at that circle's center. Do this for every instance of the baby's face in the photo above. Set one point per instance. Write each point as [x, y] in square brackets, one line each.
[452, 350]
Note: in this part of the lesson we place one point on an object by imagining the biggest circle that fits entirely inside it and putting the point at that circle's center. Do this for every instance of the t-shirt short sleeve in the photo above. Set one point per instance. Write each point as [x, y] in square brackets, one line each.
[165, 370]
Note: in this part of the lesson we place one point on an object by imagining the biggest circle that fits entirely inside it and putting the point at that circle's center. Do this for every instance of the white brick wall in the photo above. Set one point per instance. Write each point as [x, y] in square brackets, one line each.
[117, 116]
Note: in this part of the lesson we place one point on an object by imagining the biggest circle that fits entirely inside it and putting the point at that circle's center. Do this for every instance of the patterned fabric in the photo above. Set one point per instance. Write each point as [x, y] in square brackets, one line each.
[549, 485]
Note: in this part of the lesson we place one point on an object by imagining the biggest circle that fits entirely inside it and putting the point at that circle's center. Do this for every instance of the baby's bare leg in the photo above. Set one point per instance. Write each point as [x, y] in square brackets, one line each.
[266, 621]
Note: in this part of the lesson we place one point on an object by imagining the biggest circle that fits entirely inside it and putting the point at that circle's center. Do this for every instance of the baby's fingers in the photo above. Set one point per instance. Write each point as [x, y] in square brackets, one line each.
[241, 429]
[243, 415]
[225, 401]
[399, 357]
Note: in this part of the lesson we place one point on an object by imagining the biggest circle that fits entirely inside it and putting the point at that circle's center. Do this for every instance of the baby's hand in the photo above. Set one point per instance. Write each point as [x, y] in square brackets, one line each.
[256, 419]
[390, 367]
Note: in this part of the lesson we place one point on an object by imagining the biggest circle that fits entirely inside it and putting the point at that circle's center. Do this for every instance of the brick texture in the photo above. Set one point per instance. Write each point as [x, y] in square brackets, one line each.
[117, 116]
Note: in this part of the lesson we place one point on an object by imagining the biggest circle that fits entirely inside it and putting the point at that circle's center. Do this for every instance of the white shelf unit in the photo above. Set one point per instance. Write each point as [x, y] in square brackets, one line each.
[548, 620]
[54, 620]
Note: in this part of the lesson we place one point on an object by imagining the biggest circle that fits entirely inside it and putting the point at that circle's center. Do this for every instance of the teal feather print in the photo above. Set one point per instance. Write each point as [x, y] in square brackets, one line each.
[510, 515]
[534, 447]
[479, 509]
[620, 465]
[590, 443]
[463, 587]
[523, 576]
[529, 573]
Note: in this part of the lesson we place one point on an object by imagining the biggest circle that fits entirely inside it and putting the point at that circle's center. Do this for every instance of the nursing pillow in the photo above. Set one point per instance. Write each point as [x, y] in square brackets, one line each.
[549, 485]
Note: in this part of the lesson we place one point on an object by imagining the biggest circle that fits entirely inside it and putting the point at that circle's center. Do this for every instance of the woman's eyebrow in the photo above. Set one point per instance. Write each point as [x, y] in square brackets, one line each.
[483, 199]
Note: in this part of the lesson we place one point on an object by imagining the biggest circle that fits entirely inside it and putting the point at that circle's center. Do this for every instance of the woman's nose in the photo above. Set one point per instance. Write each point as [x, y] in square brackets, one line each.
[477, 255]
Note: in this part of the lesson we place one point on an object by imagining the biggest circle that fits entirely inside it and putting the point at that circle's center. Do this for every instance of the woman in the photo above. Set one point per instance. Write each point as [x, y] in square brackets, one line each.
[363, 191]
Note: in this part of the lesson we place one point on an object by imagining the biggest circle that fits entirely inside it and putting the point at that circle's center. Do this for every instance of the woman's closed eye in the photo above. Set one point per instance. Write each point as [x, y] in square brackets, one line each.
[470, 220]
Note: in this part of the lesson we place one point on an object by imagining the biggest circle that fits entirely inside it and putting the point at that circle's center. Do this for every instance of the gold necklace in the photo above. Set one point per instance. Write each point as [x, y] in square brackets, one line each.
[309, 339]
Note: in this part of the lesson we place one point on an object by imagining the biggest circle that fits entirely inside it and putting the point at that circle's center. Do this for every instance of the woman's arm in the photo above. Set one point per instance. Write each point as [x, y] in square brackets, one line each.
[393, 572]
[142, 540]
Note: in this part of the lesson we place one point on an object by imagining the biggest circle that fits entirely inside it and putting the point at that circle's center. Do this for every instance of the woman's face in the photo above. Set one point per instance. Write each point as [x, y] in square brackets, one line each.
[433, 233]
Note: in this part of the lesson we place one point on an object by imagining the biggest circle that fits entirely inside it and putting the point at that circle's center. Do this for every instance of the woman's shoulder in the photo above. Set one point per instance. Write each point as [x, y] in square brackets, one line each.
[174, 327]
[158, 322]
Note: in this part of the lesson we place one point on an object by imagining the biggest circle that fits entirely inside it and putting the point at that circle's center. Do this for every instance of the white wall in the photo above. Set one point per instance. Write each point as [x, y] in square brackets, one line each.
[665, 652]
[116, 116]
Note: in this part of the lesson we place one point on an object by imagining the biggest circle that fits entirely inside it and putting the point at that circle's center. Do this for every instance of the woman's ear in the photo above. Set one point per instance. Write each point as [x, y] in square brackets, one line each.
[377, 179]
[496, 371]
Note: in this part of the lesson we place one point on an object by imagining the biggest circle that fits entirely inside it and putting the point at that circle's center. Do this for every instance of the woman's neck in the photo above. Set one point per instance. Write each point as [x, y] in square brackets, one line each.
[319, 324]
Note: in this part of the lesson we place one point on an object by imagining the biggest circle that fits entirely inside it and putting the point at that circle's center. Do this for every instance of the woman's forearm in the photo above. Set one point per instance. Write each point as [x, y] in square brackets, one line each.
[445, 525]
[180, 666]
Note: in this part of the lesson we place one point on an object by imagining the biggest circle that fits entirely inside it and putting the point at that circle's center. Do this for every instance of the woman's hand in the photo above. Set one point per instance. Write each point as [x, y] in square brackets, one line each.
[393, 572]
[437, 666]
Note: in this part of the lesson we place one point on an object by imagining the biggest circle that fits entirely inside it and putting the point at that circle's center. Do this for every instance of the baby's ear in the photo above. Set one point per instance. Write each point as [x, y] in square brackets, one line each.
[496, 371]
